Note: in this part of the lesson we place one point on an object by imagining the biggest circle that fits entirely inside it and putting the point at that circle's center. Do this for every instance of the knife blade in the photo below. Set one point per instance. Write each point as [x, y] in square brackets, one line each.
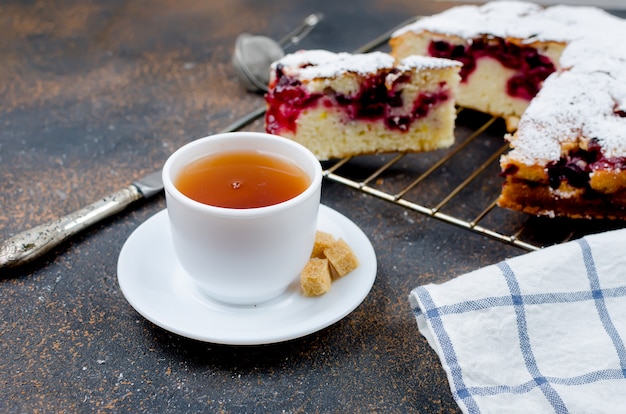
[33, 243]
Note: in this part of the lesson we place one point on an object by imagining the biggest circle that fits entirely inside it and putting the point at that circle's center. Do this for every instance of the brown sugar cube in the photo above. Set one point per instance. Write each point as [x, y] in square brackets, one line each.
[315, 278]
[341, 258]
[323, 240]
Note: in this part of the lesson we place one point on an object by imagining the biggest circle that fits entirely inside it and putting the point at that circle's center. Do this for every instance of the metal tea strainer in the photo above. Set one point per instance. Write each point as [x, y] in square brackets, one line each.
[254, 54]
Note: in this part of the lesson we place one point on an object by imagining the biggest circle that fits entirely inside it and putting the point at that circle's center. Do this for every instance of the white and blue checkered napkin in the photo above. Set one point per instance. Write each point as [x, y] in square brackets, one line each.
[542, 332]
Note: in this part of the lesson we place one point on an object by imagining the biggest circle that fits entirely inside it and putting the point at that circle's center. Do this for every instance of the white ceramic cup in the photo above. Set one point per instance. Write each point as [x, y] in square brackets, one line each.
[243, 256]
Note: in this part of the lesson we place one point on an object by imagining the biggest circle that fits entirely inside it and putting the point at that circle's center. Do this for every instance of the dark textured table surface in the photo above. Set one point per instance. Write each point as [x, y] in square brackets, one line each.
[94, 94]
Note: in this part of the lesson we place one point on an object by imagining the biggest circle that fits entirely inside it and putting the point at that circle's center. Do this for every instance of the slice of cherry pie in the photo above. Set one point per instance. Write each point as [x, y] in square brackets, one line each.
[341, 104]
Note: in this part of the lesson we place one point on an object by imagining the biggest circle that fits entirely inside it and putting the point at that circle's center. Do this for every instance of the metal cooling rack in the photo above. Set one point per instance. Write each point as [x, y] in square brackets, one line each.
[436, 208]
[459, 185]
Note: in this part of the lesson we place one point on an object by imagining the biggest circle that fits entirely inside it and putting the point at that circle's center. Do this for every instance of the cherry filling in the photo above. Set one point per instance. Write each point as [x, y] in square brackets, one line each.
[374, 101]
[286, 100]
[532, 68]
[619, 112]
[577, 165]
[573, 169]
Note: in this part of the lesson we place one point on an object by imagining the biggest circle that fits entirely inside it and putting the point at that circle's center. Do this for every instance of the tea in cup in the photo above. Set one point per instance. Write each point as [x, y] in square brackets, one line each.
[243, 209]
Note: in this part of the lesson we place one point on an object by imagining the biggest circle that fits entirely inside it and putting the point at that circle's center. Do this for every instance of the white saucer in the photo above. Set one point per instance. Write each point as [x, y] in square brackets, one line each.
[157, 287]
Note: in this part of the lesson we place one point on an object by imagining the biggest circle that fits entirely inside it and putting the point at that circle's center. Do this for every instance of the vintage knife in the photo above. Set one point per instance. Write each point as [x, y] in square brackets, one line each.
[31, 244]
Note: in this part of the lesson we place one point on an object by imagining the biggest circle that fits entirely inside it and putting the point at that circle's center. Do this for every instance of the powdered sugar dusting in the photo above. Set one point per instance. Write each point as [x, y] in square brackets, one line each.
[425, 62]
[572, 107]
[315, 64]
[318, 64]
[504, 19]
[520, 20]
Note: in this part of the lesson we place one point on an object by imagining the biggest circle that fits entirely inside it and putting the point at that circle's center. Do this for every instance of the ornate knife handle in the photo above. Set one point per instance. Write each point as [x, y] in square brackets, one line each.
[31, 244]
